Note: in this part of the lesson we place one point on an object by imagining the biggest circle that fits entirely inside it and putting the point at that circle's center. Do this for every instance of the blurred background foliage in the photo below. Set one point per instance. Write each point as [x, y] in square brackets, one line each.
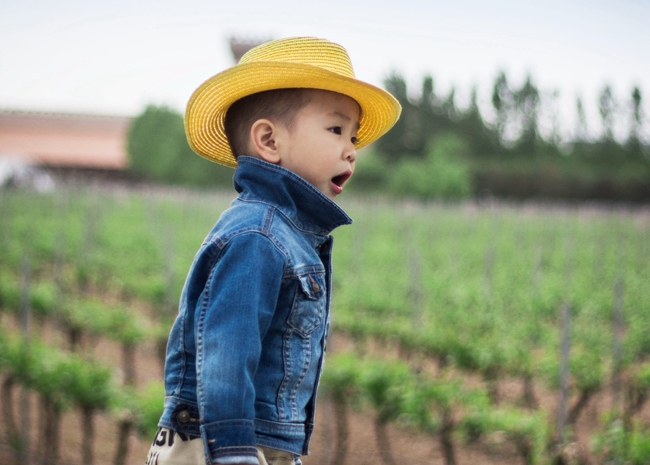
[158, 151]
[440, 150]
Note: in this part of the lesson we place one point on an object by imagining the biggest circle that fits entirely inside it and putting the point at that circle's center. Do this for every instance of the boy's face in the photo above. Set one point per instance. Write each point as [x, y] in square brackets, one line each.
[320, 147]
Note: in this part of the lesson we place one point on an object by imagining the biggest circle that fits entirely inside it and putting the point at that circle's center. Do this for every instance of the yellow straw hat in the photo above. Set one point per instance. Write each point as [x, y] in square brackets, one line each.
[298, 62]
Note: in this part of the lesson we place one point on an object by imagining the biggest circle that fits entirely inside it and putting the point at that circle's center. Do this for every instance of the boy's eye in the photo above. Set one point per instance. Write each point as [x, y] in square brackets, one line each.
[336, 130]
[354, 140]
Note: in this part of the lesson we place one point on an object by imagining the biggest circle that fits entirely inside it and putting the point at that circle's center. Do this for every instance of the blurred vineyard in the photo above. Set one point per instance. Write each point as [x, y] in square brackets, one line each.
[467, 326]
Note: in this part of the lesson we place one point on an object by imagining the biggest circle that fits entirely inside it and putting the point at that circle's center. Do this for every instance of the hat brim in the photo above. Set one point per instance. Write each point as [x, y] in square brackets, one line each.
[207, 107]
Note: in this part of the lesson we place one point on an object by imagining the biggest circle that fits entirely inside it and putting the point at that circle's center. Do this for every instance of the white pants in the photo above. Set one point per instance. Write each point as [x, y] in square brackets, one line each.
[171, 448]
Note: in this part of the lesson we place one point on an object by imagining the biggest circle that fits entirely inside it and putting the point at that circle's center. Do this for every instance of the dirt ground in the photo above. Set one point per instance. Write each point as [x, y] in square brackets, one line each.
[407, 447]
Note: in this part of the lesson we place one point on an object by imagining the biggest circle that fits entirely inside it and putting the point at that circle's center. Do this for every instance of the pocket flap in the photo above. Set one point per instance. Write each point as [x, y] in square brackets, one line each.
[313, 285]
[308, 311]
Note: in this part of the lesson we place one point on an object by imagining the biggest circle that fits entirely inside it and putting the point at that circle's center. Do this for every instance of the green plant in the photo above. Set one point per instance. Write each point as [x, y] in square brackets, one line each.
[441, 174]
[527, 430]
[340, 380]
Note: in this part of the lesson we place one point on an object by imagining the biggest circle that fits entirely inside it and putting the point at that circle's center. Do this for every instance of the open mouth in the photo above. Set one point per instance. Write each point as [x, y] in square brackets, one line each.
[339, 181]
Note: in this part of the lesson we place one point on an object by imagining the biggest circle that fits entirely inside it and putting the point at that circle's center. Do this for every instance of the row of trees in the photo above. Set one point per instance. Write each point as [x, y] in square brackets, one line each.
[522, 151]
[438, 149]
[515, 128]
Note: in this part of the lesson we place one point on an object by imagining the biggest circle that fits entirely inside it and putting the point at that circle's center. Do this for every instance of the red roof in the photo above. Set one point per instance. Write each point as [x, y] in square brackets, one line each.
[65, 139]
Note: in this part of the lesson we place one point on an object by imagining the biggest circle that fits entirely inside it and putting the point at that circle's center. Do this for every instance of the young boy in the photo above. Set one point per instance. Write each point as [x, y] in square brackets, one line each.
[246, 351]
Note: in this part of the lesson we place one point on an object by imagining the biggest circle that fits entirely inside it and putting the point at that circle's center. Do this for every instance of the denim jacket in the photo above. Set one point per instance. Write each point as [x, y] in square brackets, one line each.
[245, 353]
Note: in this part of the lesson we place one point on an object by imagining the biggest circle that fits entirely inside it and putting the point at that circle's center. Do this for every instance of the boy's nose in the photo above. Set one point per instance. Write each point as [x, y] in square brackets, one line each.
[351, 154]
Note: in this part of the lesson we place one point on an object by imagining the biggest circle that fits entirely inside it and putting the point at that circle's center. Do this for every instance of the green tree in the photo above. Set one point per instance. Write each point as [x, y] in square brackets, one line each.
[154, 143]
[449, 105]
[428, 100]
[527, 104]
[408, 138]
[503, 103]
[634, 145]
[606, 107]
[158, 150]
[480, 139]
[581, 128]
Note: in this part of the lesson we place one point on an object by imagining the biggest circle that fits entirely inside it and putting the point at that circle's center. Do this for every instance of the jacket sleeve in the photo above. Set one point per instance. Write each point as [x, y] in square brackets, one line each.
[232, 317]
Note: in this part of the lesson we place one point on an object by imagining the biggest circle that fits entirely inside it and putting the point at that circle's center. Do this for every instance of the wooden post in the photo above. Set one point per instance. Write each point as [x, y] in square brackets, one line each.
[565, 345]
[617, 346]
[416, 288]
[536, 271]
[488, 276]
[416, 291]
[356, 274]
[93, 212]
[170, 300]
[565, 348]
[59, 269]
[495, 224]
[25, 327]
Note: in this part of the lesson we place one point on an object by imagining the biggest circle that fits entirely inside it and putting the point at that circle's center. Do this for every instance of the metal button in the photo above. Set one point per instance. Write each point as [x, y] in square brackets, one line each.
[183, 416]
[314, 284]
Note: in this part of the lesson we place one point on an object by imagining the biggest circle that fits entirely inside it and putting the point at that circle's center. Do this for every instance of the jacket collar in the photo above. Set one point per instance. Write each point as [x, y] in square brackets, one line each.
[306, 206]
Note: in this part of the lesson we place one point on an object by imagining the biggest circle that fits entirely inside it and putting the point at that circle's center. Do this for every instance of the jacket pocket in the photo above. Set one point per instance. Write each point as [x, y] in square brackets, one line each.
[308, 310]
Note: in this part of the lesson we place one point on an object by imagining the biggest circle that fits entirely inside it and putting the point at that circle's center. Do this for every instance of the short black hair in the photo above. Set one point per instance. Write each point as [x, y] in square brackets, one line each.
[279, 106]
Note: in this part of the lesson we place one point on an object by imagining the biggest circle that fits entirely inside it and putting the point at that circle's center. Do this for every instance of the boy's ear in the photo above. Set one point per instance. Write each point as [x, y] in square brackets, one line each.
[263, 137]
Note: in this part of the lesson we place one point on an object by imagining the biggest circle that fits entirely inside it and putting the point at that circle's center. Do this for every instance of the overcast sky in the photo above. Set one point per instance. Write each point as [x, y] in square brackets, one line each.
[117, 56]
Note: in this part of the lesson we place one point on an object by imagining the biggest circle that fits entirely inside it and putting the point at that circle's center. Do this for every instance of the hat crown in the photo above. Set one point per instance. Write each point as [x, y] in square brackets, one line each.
[311, 51]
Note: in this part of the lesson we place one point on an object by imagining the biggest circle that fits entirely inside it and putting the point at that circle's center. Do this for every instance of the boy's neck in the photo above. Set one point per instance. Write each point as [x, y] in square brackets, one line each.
[256, 179]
